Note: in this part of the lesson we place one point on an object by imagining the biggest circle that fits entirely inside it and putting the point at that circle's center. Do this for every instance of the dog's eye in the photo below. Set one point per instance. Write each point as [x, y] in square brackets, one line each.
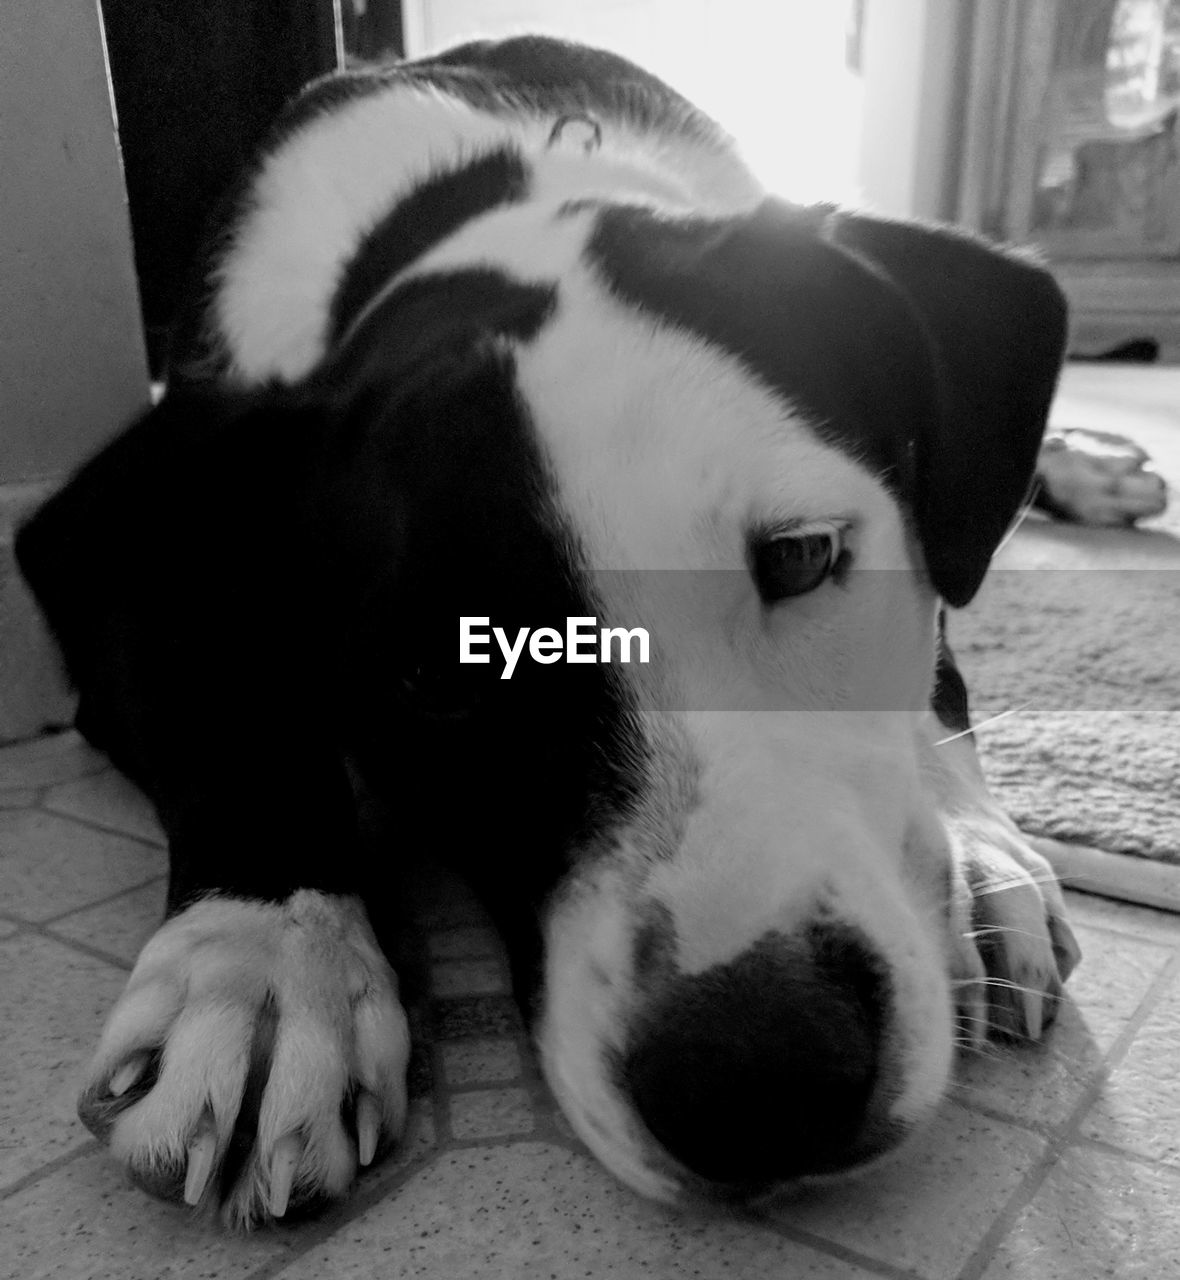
[794, 564]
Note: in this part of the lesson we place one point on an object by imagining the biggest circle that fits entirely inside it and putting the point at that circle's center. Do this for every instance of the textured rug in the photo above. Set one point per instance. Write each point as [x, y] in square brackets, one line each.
[1082, 669]
[1074, 644]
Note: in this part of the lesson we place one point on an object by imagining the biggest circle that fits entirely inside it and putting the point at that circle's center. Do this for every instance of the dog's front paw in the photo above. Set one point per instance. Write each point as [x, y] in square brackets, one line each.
[256, 1057]
[1020, 945]
[1095, 477]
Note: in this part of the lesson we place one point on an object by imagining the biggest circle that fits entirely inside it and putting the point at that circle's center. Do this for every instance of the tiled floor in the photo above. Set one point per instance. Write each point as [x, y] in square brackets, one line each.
[1055, 1163]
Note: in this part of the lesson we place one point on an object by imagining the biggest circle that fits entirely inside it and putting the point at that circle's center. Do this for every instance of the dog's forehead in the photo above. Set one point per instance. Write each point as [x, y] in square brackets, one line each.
[670, 428]
[690, 372]
[662, 450]
[825, 331]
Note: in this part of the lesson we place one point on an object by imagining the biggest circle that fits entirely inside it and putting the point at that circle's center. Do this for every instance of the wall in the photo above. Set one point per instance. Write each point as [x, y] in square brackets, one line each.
[72, 363]
[912, 61]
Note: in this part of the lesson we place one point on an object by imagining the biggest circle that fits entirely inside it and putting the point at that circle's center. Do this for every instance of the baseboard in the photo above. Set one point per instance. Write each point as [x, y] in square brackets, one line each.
[1113, 875]
[34, 696]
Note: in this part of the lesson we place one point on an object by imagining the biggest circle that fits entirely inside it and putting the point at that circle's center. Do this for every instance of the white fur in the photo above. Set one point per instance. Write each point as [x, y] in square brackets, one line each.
[319, 193]
[197, 990]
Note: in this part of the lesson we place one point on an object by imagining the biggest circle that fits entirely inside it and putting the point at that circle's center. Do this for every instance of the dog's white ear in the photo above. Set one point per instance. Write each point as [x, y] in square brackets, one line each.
[997, 324]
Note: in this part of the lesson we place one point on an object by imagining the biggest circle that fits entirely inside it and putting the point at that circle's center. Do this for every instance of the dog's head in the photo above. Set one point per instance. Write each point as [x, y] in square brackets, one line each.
[774, 442]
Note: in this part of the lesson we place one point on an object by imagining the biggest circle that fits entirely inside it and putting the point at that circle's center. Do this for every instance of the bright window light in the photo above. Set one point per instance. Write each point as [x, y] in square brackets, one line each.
[772, 72]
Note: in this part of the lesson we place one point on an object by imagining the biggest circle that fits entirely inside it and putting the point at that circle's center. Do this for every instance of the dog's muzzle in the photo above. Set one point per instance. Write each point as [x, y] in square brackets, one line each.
[769, 1068]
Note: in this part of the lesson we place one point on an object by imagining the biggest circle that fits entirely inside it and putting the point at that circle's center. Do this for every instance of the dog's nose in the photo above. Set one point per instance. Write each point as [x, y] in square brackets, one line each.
[763, 1070]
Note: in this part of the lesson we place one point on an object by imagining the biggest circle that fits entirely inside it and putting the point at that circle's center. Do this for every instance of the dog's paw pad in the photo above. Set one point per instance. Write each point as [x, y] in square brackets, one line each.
[1098, 478]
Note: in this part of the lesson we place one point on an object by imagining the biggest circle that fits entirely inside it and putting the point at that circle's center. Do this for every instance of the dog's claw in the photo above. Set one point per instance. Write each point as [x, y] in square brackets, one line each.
[284, 1162]
[201, 1151]
[127, 1074]
[368, 1127]
[1066, 950]
[1033, 1014]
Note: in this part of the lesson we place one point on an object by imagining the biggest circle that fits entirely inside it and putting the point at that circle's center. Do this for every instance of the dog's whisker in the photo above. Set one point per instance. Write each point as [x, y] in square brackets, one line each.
[980, 1049]
[1021, 517]
[1007, 984]
[1003, 715]
[971, 1019]
[995, 930]
[1016, 882]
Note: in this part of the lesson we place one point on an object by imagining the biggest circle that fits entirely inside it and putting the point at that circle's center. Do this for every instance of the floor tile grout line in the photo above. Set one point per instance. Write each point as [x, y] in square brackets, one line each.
[8, 804]
[1069, 1132]
[480, 959]
[1021, 1197]
[516, 1081]
[1106, 1061]
[1103, 1147]
[547, 1132]
[348, 1211]
[99, 902]
[1131, 1028]
[82, 948]
[1034, 1128]
[87, 772]
[87, 1147]
[356, 1205]
[104, 828]
[840, 1252]
[440, 1094]
[1128, 935]
[490, 1141]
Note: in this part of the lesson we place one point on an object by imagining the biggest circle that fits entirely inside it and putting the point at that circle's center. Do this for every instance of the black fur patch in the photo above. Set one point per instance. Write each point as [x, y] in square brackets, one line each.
[768, 1066]
[544, 76]
[435, 210]
[950, 691]
[653, 946]
[926, 355]
[441, 315]
[534, 75]
[811, 322]
[251, 590]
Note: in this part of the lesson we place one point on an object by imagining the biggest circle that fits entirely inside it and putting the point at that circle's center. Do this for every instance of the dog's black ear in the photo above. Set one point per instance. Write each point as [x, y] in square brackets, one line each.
[997, 324]
[170, 510]
[165, 476]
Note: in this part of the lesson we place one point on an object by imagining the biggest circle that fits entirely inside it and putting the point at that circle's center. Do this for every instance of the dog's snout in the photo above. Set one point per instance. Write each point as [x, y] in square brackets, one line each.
[763, 1070]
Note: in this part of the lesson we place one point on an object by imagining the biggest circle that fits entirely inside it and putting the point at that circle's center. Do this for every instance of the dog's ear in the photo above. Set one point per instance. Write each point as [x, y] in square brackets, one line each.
[157, 520]
[997, 324]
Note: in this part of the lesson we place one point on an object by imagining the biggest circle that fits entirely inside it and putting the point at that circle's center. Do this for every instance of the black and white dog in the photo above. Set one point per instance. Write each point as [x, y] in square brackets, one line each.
[512, 333]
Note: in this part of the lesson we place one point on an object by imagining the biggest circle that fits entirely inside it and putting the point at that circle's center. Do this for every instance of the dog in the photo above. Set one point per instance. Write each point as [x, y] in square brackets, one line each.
[511, 334]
